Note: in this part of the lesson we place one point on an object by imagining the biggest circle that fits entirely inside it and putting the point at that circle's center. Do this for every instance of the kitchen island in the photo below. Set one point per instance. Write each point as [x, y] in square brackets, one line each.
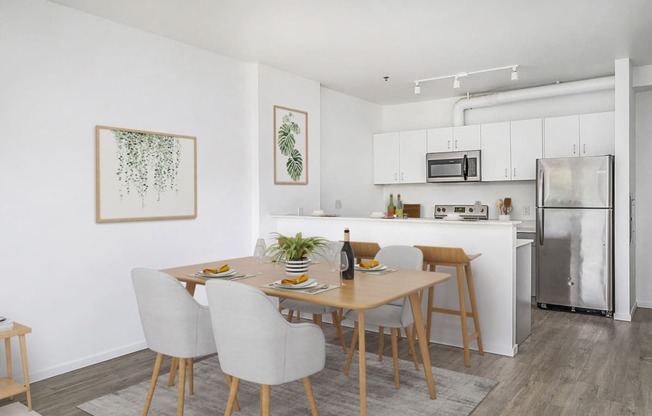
[494, 273]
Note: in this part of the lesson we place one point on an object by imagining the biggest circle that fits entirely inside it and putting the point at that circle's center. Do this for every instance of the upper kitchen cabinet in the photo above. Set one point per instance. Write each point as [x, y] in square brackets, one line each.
[527, 147]
[597, 134]
[579, 135]
[451, 139]
[510, 150]
[400, 157]
[496, 152]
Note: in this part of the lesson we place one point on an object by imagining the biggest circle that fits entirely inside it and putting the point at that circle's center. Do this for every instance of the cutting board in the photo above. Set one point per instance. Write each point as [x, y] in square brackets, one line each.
[412, 210]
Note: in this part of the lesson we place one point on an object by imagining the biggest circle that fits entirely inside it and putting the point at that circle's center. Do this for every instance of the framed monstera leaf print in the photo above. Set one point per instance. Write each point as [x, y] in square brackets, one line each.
[290, 146]
[144, 175]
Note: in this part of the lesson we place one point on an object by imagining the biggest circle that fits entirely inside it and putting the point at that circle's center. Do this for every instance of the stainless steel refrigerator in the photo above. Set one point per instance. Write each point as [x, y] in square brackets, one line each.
[575, 233]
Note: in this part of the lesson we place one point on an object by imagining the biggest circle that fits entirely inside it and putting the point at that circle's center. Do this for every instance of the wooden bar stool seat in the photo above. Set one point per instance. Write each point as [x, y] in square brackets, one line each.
[454, 257]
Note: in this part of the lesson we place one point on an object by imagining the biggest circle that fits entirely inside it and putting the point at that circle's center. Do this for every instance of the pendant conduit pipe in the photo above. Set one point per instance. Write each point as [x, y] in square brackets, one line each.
[568, 88]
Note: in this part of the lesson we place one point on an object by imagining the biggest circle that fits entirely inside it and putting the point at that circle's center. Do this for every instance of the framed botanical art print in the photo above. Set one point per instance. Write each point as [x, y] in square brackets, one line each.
[290, 146]
[144, 175]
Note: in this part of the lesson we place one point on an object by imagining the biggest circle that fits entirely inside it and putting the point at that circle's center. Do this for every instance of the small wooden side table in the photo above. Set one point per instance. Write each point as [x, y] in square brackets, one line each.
[8, 387]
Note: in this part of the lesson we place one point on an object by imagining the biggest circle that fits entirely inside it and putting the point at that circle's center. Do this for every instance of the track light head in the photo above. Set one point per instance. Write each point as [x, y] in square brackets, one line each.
[456, 83]
[514, 74]
[417, 88]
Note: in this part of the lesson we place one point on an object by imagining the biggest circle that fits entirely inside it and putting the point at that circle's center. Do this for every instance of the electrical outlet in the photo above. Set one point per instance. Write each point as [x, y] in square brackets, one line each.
[526, 210]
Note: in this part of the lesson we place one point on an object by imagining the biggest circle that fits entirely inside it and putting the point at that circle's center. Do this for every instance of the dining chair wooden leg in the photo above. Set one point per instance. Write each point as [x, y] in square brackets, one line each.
[311, 396]
[338, 329]
[393, 334]
[381, 342]
[264, 399]
[474, 308]
[191, 381]
[316, 318]
[173, 371]
[462, 299]
[431, 298]
[182, 385]
[410, 340]
[233, 395]
[152, 384]
[290, 314]
[354, 340]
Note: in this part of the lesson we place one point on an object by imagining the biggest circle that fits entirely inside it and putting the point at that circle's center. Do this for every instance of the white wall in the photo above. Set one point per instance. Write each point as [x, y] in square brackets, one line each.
[439, 113]
[644, 198]
[281, 88]
[63, 274]
[346, 153]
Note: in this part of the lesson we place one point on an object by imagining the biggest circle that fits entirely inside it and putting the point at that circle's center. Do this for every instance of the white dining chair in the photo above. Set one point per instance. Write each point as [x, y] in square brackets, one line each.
[174, 325]
[254, 342]
[396, 314]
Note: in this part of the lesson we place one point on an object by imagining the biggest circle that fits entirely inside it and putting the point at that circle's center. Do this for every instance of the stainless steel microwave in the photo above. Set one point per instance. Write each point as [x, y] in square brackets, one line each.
[453, 166]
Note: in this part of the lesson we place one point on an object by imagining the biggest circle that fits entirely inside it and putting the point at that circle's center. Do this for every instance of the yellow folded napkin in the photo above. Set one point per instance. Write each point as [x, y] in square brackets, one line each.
[298, 280]
[369, 264]
[221, 269]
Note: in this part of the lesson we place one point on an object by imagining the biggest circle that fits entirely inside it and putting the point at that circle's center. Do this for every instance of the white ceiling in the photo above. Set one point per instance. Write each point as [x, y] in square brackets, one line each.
[350, 45]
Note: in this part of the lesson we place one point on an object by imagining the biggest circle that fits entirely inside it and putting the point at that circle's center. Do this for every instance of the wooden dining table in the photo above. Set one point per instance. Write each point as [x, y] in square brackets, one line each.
[366, 291]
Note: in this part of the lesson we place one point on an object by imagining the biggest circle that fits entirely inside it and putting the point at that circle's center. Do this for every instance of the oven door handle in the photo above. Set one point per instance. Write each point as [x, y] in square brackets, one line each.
[465, 167]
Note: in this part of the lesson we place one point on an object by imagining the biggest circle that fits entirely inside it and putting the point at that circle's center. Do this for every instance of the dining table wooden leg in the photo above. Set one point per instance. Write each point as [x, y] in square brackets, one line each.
[381, 342]
[173, 371]
[415, 304]
[354, 341]
[362, 363]
[190, 287]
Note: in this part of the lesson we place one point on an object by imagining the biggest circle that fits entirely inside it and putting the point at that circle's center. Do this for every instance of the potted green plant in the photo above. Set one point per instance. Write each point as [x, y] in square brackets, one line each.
[295, 251]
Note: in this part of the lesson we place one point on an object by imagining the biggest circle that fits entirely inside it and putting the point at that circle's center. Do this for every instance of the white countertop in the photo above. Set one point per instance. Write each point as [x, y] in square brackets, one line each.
[527, 226]
[408, 220]
[523, 242]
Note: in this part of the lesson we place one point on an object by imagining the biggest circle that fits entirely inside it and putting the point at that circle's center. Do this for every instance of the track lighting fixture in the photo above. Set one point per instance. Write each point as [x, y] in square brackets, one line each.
[514, 74]
[457, 76]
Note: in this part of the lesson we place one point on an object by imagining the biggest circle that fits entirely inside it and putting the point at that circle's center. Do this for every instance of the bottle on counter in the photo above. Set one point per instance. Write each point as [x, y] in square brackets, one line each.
[399, 207]
[346, 247]
[391, 209]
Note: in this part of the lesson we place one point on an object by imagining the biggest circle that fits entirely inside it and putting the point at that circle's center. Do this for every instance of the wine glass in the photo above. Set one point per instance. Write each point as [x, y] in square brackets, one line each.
[259, 253]
[338, 206]
[341, 264]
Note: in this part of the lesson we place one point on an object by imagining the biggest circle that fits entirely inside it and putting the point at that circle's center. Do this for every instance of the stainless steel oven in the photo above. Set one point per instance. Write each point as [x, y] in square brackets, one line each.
[453, 166]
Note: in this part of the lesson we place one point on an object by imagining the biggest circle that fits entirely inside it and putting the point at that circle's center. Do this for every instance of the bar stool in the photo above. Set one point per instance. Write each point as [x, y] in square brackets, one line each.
[455, 257]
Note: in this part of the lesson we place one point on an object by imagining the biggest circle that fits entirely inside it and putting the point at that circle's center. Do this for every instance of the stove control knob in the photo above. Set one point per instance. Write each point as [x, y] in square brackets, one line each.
[482, 210]
[443, 210]
[470, 209]
[438, 209]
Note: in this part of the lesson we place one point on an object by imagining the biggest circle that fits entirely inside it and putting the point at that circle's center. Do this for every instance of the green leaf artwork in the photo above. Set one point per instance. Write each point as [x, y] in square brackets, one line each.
[286, 143]
[145, 158]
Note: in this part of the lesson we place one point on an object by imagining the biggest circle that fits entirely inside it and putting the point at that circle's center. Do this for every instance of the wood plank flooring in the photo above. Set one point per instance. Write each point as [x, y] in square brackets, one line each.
[571, 365]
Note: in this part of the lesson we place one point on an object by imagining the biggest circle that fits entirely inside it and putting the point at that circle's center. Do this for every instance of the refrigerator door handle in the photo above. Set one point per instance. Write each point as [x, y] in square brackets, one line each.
[540, 227]
[540, 183]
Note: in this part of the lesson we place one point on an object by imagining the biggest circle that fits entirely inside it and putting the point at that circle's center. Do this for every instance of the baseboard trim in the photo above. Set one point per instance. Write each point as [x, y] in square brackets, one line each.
[644, 304]
[83, 362]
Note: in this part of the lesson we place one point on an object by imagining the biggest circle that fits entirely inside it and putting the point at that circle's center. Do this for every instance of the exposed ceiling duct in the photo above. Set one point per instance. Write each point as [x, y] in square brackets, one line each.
[568, 88]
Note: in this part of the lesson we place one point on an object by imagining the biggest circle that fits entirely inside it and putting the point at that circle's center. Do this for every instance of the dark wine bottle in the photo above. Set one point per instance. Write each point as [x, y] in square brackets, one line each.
[346, 247]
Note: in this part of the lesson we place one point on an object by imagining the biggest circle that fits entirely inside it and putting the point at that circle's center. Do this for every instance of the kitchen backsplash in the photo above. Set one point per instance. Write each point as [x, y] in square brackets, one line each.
[429, 195]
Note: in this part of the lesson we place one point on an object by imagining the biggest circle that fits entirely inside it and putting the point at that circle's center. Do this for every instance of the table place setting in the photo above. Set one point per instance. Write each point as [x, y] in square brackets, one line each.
[301, 284]
[223, 272]
[373, 267]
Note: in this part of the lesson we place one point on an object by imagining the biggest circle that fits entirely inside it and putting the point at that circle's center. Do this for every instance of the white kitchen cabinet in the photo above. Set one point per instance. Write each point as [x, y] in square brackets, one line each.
[386, 158]
[453, 139]
[496, 152]
[561, 136]
[400, 157]
[412, 156]
[597, 134]
[510, 150]
[579, 135]
[526, 147]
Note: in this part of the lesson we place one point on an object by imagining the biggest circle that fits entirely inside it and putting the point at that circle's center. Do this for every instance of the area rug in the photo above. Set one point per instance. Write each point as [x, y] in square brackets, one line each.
[16, 409]
[336, 394]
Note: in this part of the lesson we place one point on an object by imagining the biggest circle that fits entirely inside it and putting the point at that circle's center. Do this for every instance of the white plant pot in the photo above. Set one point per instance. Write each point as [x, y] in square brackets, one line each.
[295, 268]
[504, 217]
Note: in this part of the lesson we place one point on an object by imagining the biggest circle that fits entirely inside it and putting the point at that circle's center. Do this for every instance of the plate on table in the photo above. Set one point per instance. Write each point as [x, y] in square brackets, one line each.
[303, 285]
[227, 273]
[371, 269]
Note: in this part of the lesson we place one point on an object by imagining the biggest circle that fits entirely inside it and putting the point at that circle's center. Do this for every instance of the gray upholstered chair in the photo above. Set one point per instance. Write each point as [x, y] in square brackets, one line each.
[174, 325]
[395, 315]
[254, 342]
